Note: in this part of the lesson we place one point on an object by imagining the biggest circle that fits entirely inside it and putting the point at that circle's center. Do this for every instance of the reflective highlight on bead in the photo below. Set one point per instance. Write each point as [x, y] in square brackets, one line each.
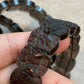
[16, 2]
[39, 9]
[29, 2]
[4, 4]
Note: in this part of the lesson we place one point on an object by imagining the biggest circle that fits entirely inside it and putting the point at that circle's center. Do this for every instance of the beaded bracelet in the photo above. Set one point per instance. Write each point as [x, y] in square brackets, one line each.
[38, 55]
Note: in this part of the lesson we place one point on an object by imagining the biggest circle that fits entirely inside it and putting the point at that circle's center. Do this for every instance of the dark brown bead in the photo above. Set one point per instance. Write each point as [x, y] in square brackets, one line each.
[5, 20]
[16, 27]
[13, 27]
[38, 13]
[35, 59]
[63, 72]
[14, 5]
[45, 41]
[75, 50]
[37, 80]
[75, 40]
[64, 61]
[74, 28]
[27, 6]
[55, 27]
[20, 77]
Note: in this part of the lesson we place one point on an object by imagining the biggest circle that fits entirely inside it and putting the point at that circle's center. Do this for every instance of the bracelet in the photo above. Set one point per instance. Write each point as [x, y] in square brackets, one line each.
[43, 41]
